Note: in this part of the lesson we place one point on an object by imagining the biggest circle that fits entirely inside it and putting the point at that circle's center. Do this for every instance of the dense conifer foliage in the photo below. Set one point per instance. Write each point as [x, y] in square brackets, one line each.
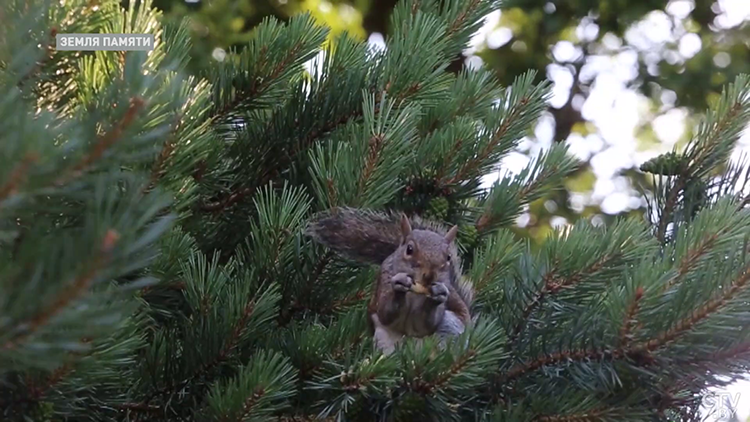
[154, 267]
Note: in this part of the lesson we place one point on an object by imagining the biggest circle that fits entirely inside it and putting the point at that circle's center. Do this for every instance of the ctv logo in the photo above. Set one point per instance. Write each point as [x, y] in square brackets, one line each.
[721, 406]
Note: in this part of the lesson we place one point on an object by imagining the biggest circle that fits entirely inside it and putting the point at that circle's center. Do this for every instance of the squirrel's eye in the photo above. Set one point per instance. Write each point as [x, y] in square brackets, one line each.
[409, 249]
[448, 259]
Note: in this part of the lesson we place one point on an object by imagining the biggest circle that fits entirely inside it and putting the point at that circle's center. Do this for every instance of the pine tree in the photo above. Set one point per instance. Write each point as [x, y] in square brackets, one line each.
[154, 267]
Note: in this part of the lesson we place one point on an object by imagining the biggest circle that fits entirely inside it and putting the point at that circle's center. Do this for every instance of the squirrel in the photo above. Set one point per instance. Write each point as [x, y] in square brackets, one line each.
[419, 289]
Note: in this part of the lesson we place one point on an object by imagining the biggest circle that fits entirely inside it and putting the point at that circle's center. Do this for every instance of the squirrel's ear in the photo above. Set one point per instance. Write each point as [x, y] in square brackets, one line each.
[451, 235]
[405, 226]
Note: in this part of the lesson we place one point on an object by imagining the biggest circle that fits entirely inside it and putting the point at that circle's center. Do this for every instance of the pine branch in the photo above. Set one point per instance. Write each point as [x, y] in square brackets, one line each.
[461, 19]
[689, 262]
[49, 52]
[630, 318]
[159, 168]
[669, 205]
[486, 219]
[709, 144]
[738, 351]
[57, 375]
[247, 406]
[315, 275]
[261, 389]
[696, 316]
[375, 145]
[664, 399]
[506, 197]
[231, 199]
[104, 142]
[270, 173]
[487, 274]
[341, 350]
[443, 378]
[17, 175]
[266, 81]
[307, 289]
[559, 357]
[554, 283]
[79, 286]
[260, 75]
[640, 351]
[229, 344]
[340, 304]
[240, 325]
[440, 173]
[138, 407]
[354, 384]
[590, 416]
[283, 160]
[473, 164]
[521, 106]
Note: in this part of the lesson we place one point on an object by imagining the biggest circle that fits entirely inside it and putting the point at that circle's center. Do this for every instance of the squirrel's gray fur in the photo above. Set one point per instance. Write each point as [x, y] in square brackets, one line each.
[369, 237]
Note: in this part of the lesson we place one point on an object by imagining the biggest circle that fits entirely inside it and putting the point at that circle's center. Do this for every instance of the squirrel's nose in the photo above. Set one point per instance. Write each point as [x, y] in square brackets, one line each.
[428, 277]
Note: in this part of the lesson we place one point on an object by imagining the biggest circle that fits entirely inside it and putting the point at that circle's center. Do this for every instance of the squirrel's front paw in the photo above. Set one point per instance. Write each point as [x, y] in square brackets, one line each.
[438, 292]
[401, 282]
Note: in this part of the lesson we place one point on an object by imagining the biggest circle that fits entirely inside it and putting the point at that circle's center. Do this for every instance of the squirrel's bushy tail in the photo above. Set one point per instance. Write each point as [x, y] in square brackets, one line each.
[357, 234]
[370, 237]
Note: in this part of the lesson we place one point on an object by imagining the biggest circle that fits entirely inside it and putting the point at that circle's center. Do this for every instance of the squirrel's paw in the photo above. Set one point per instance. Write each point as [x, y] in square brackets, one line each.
[438, 292]
[401, 282]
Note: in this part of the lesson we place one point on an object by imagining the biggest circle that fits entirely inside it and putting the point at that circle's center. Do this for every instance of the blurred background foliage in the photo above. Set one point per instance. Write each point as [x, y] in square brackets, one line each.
[659, 59]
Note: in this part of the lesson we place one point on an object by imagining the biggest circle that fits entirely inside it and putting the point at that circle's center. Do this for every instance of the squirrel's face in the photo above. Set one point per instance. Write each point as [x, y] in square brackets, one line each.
[427, 252]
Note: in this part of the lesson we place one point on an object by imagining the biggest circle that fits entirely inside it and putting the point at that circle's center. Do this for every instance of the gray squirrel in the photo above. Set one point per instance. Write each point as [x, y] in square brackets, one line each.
[419, 289]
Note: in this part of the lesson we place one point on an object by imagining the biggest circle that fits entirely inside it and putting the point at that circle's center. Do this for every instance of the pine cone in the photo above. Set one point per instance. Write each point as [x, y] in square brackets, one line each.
[468, 236]
[438, 208]
[669, 164]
